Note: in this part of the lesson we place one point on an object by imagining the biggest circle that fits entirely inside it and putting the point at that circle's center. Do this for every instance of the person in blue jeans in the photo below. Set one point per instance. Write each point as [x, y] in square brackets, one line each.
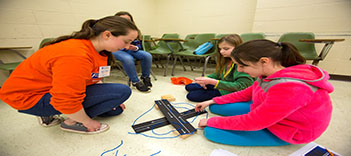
[128, 57]
[102, 99]
[67, 78]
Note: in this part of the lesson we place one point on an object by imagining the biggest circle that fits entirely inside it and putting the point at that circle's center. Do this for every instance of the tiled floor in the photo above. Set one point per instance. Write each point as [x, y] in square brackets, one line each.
[21, 134]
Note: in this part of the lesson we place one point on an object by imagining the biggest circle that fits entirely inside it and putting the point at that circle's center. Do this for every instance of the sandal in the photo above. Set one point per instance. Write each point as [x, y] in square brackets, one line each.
[80, 128]
[48, 121]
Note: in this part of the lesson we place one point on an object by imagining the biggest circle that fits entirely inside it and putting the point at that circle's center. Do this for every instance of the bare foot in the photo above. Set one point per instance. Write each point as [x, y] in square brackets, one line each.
[123, 106]
[69, 121]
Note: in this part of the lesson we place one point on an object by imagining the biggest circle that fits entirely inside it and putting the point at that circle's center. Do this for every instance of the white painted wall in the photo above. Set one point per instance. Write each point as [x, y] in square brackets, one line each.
[27, 22]
[205, 16]
[326, 18]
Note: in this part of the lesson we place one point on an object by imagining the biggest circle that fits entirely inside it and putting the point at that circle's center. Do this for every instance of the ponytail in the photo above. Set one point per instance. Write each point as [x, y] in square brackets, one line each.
[290, 55]
[283, 52]
[92, 28]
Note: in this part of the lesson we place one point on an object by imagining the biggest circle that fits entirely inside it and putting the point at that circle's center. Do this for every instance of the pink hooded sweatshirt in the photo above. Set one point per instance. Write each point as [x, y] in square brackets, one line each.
[295, 111]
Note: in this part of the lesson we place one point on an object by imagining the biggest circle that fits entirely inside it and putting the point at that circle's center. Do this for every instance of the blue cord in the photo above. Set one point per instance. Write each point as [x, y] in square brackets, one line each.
[143, 114]
[113, 149]
[156, 153]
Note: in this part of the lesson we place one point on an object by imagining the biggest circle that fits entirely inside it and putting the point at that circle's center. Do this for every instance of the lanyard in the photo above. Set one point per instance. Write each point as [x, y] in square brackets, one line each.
[225, 73]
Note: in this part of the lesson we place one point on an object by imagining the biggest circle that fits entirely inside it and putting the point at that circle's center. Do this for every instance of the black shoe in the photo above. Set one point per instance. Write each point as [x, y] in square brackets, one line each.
[146, 81]
[140, 86]
[48, 121]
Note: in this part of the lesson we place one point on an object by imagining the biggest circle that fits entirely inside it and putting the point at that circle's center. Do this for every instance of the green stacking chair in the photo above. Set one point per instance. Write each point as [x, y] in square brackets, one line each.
[189, 51]
[251, 36]
[11, 66]
[307, 50]
[165, 49]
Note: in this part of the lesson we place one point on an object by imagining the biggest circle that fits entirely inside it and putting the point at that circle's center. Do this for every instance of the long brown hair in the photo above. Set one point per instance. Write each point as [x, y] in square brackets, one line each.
[92, 28]
[234, 40]
[283, 52]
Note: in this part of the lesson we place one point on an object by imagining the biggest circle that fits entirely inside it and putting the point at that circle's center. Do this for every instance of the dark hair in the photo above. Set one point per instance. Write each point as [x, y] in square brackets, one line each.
[232, 39]
[92, 28]
[283, 52]
[121, 13]
[125, 13]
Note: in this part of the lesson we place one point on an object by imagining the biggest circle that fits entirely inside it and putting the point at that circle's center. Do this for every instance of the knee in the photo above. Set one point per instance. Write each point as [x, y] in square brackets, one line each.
[125, 90]
[194, 97]
[210, 133]
[148, 56]
[122, 91]
[192, 86]
[128, 61]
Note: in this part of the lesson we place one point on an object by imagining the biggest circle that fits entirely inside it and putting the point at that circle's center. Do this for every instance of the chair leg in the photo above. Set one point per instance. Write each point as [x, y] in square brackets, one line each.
[153, 75]
[174, 64]
[168, 58]
[181, 61]
[315, 62]
[205, 65]
[154, 61]
[190, 64]
[160, 60]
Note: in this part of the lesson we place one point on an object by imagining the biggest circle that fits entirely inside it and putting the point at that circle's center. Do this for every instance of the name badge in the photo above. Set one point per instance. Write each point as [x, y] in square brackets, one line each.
[104, 71]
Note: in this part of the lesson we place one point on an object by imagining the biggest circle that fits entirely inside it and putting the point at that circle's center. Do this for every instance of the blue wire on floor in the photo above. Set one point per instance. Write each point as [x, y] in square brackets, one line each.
[124, 154]
[156, 153]
[152, 129]
[113, 149]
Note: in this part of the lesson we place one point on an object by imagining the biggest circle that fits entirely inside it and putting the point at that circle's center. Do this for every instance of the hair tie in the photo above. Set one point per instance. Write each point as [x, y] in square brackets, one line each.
[95, 22]
[279, 44]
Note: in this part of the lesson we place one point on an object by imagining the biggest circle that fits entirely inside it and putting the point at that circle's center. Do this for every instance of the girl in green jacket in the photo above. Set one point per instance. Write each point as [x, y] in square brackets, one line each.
[226, 79]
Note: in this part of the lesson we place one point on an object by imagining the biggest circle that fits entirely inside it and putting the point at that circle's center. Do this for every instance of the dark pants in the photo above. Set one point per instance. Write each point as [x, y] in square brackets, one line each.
[199, 94]
[100, 100]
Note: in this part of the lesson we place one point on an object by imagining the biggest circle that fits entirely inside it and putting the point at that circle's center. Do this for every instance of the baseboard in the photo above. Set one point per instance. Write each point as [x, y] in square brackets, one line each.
[340, 77]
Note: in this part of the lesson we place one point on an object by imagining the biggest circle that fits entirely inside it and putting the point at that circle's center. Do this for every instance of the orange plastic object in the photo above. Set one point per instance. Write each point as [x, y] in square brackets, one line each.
[181, 80]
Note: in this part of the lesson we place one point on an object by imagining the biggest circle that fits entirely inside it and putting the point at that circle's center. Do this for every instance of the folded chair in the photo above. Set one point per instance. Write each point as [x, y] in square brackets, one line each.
[165, 47]
[191, 46]
[251, 36]
[307, 50]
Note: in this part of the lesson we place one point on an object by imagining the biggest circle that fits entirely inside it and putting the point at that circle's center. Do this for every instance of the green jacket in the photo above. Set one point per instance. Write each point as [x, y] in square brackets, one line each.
[232, 81]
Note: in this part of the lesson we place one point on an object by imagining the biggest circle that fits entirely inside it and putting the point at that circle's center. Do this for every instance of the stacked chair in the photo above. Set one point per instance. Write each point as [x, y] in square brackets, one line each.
[191, 45]
[307, 50]
[164, 48]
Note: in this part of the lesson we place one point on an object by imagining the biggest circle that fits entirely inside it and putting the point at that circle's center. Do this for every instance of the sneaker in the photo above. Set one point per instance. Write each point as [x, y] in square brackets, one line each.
[48, 121]
[146, 81]
[140, 86]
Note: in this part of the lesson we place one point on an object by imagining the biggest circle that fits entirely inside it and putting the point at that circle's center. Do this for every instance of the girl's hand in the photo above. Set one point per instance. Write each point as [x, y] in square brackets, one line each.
[201, 106]
[205, 81]
[202, 123]
[133, 47]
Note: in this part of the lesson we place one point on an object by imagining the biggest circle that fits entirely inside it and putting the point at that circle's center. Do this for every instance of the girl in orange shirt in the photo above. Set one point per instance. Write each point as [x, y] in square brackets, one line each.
[63, 77]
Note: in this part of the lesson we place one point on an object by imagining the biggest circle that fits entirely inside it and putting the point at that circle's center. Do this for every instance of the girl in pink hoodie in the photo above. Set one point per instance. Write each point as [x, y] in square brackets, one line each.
[289, 103]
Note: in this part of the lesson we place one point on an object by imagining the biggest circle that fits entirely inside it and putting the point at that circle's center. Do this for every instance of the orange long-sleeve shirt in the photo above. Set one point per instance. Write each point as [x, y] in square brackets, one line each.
[63, 69]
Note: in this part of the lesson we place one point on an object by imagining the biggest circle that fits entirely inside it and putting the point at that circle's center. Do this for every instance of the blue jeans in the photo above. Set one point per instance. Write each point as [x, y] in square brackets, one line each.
[128, 60]
[199, 94]
[100, 100]
[240, 138]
